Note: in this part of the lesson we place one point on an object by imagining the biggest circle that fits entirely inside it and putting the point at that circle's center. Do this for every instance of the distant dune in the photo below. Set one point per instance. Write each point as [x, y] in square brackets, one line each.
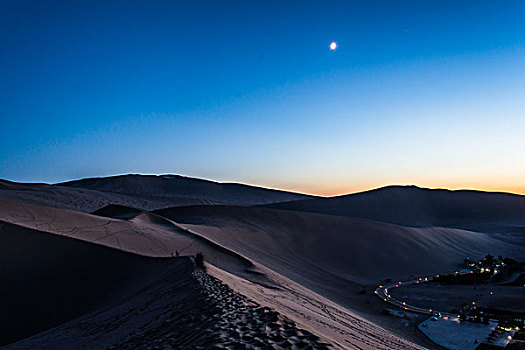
[185, 187]
[85, 200]
[141, 192]
[499, 213]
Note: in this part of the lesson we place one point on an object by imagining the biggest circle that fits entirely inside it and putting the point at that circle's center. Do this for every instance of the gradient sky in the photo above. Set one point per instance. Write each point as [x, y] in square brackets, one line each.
[430, 93]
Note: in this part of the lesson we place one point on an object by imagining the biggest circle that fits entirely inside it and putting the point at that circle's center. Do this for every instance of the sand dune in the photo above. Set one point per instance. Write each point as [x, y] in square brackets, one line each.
[500, 213]
[185, 187]
[355, 250]
[339, 257]
[143, 234]
[86, 200]
[148, 234]
[142, 192]
[100, 297]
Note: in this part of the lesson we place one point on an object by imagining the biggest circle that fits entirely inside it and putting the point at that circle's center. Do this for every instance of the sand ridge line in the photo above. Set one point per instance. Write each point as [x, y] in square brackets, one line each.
[220, 319]
[248, 323]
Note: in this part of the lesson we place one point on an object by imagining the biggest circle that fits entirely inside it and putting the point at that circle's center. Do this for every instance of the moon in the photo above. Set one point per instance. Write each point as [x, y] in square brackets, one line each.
[333, 46]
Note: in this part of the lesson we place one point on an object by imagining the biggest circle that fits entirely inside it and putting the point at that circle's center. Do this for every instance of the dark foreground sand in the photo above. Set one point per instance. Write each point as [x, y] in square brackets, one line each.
[49, 279]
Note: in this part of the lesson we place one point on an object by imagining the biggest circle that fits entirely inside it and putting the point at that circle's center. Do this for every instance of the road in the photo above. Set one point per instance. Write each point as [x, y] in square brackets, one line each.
[383, 292]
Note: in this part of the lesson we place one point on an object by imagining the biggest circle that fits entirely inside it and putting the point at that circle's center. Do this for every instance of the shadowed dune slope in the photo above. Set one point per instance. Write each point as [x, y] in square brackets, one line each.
[499, 213]
[185, 187]
[49, 279]
[327, 252]
[118, 212]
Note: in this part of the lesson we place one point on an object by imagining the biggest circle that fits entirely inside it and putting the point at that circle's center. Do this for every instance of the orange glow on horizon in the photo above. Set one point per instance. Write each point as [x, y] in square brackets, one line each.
[327, 191]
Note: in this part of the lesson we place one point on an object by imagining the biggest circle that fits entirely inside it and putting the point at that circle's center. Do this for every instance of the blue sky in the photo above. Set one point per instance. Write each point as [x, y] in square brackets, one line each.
[418, 92]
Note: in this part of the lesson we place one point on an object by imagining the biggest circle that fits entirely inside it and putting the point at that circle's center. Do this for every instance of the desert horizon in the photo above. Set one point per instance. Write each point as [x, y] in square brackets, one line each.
[494, 189]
